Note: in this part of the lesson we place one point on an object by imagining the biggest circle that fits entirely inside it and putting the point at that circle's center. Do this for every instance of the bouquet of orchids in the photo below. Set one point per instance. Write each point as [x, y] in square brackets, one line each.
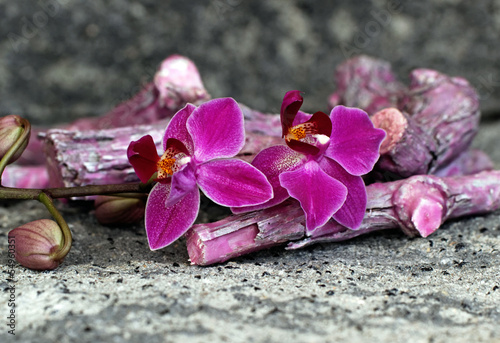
[295, 178]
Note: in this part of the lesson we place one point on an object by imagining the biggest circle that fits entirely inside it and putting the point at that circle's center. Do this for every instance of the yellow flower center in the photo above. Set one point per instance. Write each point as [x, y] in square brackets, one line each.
[296, 133]
[171, 161]
[300, 131]
[165, 167]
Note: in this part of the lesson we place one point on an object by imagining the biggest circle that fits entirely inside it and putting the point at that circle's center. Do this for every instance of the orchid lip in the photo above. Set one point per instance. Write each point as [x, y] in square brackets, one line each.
[300, 131]
[175, 156]
[305, 136]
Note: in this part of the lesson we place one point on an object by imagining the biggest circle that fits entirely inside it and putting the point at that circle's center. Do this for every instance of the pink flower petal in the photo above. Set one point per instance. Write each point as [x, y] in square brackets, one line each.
[217, 129]
[319, 194]
[183, 182]
[177, 129]
[291, 104]
[176, 146]
[351, 214]
[233, 183]
[301, 117]
[354, 141]
[273, 161]
[165, 224]
[143, 157]
[322, 123]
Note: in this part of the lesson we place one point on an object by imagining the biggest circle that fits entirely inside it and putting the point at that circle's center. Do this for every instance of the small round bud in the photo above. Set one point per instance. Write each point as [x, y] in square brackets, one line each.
[36, 244]
[11, 129]
[111, 210]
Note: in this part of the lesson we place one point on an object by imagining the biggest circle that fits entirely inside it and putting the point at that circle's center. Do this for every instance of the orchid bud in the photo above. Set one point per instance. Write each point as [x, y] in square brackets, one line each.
[12, 128]
[36, 244]
[111, 210]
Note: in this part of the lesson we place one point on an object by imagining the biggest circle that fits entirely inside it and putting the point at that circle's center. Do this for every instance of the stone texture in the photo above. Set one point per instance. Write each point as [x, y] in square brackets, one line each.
[382, 287]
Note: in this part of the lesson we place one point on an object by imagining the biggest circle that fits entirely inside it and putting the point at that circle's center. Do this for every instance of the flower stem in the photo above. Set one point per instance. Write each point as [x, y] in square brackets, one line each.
[69, 192]
[67, 237]
[46, 196]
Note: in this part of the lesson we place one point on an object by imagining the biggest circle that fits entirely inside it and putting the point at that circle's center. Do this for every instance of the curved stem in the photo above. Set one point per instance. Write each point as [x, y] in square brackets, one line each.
[67, 237]
[69, 192]
[16, 146]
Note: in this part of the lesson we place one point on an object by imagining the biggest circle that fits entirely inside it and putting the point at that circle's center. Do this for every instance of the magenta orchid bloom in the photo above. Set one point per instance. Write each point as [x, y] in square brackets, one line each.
[198, 143]
[322, 164]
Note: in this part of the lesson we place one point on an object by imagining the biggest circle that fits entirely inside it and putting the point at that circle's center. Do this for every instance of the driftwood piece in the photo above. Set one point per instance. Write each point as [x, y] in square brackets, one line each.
[96, 157]
[25, 176]
[429, 124]
[448, 109]
[417, 205]
[366, 83]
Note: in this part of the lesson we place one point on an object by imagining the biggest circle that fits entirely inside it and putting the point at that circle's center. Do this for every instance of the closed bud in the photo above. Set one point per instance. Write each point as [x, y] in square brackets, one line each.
[36, 244]
[12, 128]
[111, 210]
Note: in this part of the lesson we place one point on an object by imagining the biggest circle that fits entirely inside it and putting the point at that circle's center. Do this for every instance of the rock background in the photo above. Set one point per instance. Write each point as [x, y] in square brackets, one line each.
[62, 59]
[65, 59]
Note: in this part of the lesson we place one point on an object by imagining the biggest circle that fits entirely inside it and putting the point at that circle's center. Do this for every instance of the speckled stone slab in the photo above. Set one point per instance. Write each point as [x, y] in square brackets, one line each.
[380, 288]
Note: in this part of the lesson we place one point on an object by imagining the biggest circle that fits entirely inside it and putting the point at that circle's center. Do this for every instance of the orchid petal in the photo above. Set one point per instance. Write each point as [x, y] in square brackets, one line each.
[291, 104]
[177, 129]
[319, 194]
[272, 162]
[301, 117]
[322, 123]
[183, 182]
[143, 157]
[165, 224]
[176, 145]
[217, 129]
[355, 142]
[351, 214]
[233, 183]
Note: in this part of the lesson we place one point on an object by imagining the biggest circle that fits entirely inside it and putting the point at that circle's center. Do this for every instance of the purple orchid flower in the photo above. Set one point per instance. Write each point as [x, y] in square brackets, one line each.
[322, 164]
[199, 143]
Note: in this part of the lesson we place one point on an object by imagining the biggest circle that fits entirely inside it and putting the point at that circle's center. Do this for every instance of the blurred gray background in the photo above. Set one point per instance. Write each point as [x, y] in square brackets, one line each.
[64, 59]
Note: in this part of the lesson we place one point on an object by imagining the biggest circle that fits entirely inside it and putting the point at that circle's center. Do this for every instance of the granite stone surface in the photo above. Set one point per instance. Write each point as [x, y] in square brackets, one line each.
[382, 287]
[65, 59]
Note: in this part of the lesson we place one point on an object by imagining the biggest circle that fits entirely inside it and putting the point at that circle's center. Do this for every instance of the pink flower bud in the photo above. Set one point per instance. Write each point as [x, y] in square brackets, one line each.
[37, 243]
[110, 210]
[11, 129]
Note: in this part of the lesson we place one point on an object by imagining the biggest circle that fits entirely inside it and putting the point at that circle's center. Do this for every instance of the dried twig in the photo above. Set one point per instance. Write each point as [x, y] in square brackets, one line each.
[417, 205]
